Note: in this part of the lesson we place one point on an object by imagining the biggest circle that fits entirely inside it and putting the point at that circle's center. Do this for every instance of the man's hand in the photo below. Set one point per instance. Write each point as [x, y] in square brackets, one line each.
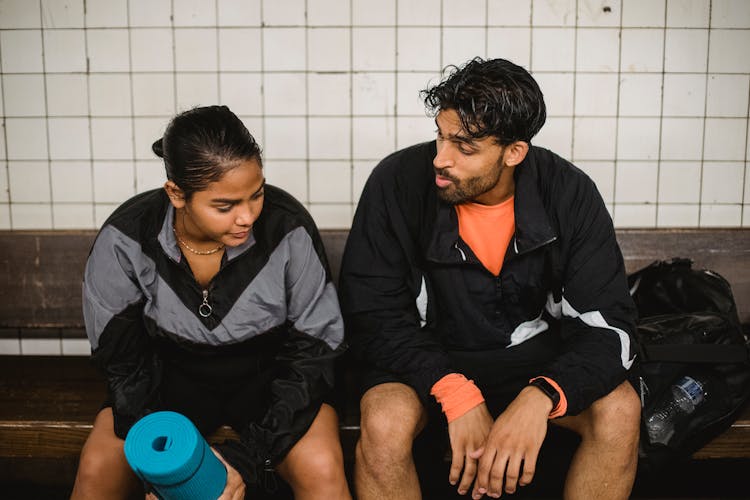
[467, 435]
[513, 441]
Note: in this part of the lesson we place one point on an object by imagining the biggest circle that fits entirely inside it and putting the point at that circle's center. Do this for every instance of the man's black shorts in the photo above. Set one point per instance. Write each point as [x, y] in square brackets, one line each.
[499, 373]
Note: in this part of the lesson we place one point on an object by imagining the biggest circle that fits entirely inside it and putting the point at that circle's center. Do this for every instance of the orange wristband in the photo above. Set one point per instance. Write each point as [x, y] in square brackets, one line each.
[562, 405]
[456, 395]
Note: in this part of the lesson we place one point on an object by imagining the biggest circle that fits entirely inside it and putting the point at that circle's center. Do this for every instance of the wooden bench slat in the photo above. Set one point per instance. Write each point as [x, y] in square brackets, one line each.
[40, 271]
[43, 420]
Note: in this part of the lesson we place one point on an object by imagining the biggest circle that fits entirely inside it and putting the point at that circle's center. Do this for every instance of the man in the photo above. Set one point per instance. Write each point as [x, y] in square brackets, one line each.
[483, 273]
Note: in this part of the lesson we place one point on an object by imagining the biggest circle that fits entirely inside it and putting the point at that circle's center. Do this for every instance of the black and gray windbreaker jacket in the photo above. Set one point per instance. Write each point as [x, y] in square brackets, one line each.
[563, 272]
[274, 329]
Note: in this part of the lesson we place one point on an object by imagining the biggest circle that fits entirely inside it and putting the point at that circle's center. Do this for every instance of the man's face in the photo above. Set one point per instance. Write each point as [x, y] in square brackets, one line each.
[466, 169]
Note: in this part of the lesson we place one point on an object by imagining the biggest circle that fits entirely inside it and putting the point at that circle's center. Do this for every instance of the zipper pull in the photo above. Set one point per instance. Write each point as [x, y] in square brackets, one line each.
[269, 478]
[463, 255]
[205, 308]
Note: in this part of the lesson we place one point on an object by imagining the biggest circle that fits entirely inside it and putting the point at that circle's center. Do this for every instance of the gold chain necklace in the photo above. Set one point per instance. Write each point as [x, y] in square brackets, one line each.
[196, 252]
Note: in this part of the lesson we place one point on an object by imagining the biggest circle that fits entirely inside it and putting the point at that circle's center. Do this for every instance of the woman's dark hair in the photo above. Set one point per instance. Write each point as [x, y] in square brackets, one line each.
[492, 98]
[202, 144]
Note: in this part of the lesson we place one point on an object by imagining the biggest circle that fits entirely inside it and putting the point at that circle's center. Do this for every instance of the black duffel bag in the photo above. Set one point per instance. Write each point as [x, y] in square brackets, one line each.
[695, 359]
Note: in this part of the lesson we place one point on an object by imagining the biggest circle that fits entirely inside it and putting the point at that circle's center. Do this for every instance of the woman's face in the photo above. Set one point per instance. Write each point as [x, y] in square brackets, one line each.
[225, 210]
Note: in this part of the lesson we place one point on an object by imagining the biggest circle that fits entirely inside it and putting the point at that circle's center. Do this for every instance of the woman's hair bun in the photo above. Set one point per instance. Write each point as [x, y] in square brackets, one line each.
[158, 147]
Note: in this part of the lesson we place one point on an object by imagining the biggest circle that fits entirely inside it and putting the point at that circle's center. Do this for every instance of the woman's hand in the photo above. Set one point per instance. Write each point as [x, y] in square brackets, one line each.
[235, 488]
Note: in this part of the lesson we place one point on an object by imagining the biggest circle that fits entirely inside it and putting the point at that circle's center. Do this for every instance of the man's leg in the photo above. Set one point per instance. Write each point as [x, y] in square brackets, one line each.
[605, 463]
[391, 417]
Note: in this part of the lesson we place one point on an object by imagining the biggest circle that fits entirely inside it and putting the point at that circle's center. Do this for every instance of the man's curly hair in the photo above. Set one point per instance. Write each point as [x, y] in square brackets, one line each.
[492, 98]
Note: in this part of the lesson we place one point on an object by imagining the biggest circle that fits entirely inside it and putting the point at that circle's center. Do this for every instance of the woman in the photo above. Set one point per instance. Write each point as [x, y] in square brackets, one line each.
[212, 297]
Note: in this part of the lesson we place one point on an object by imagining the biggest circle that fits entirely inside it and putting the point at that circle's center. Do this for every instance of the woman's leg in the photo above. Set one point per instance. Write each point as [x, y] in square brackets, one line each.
[103, 471]
[314, 467]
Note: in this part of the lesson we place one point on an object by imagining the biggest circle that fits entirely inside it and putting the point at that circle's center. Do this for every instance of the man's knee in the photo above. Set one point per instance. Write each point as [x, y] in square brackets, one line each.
[391, 417]
[617, 415]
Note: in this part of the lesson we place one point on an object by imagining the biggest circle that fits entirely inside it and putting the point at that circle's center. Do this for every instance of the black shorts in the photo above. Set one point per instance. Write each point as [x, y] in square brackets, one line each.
[499, 373]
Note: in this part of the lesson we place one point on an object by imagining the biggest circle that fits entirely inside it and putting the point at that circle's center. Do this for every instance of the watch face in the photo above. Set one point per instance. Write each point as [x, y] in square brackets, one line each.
[548, 389]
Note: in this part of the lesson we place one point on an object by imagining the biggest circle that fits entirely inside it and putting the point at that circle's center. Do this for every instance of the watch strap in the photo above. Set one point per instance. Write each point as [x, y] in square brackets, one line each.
[548, 389]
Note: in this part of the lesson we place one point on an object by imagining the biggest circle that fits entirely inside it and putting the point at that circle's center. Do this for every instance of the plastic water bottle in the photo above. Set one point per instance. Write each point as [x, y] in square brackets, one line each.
[686, 395]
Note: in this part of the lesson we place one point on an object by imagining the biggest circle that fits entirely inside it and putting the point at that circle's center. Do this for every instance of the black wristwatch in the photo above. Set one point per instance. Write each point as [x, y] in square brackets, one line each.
[547, 389]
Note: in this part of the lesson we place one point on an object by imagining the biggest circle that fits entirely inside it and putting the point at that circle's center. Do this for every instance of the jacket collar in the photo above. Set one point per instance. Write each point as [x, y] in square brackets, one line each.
[533, 228]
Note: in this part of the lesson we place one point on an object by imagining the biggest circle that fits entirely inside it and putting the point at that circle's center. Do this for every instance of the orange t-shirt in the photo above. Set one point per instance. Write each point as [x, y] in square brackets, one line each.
[487, 229]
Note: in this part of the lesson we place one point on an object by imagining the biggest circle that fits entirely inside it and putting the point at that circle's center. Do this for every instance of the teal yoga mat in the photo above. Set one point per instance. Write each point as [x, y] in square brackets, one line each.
[166, 450]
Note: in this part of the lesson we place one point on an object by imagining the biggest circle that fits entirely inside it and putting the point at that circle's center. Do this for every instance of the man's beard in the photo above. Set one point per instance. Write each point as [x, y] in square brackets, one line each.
[466, 190]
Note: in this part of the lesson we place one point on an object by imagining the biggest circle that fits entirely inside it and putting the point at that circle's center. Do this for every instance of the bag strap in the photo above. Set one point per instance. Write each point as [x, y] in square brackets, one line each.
[696, 353]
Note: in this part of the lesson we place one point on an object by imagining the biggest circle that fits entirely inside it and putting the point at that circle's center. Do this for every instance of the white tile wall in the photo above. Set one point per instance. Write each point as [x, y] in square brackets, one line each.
[418, 49]
[597, 49]
[195, 49]
[636, 182]
[684, 94]
[239, 12]
[44, 347]
[3, 182]
[153, 94]
[27, 138]
[71, 182]
[509, 12]
[72, 216]
[106, 13]
[31, 216]
[641, 50]
[76, 347]
[679, 182]
[687, 13]
[19, 14]
[64, 51]
[328, 12]
[10, 346]
[149, 12]
[643, 13]
[196, 89]
[720, 215]
[730, 14]
[638, 138]
[108, 49]
[510, 43]
[67, 95]
[68, 138]
[152, 49]
[21, 51]
[367, 12]
[24, 95]
[650, 97]
[329, 138]
[677, 216]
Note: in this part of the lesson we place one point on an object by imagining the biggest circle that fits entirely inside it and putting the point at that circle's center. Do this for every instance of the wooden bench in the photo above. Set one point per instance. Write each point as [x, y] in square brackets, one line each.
[47, 403]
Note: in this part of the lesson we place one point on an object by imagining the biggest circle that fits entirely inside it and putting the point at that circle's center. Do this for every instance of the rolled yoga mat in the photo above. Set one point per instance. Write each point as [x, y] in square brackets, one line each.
[166, 450]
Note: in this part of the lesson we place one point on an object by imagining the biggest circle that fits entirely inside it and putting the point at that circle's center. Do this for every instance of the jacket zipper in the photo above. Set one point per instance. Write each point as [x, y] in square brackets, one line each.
[205, 308]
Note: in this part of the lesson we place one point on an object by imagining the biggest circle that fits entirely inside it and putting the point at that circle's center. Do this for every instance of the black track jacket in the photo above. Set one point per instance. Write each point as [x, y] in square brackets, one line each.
[261, 361]
[563, 272]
